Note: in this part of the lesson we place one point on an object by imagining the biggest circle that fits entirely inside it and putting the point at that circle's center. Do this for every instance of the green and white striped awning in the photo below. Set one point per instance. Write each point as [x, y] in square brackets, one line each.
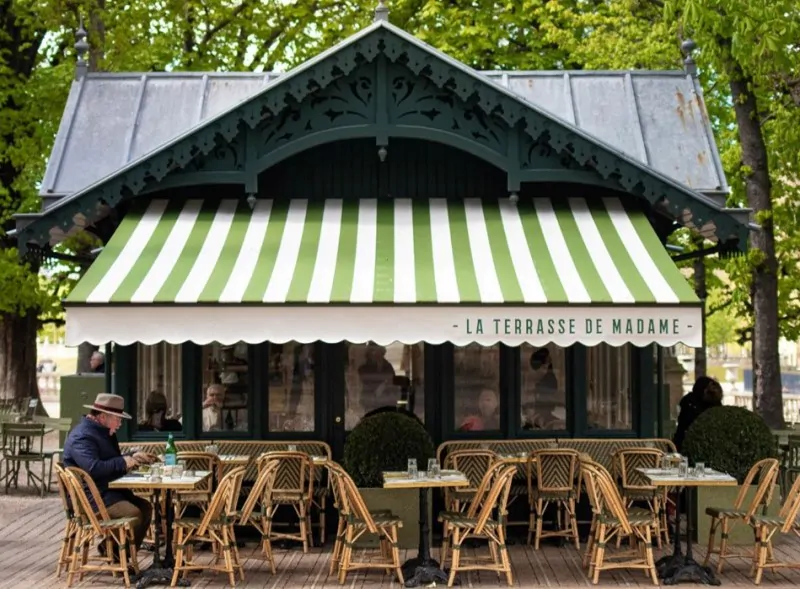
[539, 271]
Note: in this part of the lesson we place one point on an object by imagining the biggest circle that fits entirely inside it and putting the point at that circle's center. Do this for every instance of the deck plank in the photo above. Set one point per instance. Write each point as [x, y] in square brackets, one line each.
[30, 536]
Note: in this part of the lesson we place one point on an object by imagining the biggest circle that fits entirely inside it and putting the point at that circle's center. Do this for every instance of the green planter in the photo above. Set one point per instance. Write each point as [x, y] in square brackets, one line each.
[741, 534]
[404, 503]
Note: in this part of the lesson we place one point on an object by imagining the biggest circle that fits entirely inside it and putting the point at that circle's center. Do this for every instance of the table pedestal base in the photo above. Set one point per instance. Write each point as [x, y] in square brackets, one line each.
[686, 570]
[158, 575]
[419, 573]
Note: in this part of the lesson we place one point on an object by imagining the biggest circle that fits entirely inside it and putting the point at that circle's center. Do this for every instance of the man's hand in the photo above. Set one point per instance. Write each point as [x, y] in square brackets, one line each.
[144, 458]
[130, 462]
[210, 403]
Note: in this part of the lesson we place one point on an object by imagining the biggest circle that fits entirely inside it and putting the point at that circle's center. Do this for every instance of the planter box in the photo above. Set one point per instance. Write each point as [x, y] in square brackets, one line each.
[404, 503]
[741, 534]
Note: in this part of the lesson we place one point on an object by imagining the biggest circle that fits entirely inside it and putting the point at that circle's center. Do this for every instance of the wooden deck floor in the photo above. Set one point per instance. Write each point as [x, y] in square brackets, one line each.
[30, 532]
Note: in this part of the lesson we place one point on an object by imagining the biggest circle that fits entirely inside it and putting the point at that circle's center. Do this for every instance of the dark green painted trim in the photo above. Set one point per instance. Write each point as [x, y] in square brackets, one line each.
[382, 102]
[197, 179]
[124, 379]
[329, 378]
[469, 86]
[573, 176]
[647, 396]
[578, 390]
[343, 133]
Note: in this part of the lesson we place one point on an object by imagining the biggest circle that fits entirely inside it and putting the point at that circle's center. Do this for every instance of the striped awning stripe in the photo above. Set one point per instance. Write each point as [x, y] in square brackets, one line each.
[391, 251]
[469, 255]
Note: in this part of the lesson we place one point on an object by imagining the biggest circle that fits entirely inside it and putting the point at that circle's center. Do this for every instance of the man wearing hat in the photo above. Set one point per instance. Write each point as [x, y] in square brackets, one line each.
[92, 446]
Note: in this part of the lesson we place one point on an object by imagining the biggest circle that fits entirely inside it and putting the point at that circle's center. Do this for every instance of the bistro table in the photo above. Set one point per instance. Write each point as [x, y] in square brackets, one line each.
[677, 568]
[160, 572]
[424, 570]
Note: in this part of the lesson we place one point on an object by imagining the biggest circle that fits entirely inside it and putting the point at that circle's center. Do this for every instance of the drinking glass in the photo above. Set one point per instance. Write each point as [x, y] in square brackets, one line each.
[433, 468]
[412, 468]
[700, 469]
[666, 462]
[177, 471]
[683, 469]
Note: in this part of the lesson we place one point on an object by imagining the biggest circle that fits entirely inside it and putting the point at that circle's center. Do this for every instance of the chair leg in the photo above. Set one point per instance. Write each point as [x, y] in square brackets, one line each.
[723, 543]
[456, 539]
[599, 553]
[179, 556]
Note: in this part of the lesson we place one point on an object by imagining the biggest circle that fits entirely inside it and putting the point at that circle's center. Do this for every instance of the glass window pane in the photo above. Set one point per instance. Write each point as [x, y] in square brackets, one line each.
[543, 387]
[291, 387]
[159, 387]
[226, 380]
[609, 404]
[384, 376]
[476, 376]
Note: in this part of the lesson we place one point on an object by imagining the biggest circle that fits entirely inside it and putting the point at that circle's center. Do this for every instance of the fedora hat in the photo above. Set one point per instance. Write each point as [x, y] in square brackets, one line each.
[111, 404]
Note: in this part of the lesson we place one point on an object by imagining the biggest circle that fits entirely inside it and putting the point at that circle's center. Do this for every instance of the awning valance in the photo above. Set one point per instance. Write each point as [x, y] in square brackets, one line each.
[538, 271]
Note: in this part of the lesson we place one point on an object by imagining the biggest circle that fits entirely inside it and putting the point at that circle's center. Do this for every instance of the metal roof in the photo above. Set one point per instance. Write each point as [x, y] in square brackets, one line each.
[656, 118]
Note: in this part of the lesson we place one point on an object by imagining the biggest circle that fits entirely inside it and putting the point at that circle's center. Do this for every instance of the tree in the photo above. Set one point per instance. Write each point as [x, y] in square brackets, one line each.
[750, 46]
[36, 65]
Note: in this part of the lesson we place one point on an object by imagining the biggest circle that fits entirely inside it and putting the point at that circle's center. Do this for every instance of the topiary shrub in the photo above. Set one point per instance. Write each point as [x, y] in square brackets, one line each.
[729, 439]
[385, 441]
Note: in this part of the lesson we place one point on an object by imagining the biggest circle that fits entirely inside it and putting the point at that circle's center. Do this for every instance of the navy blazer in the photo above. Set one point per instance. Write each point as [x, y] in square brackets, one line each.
[91, 447]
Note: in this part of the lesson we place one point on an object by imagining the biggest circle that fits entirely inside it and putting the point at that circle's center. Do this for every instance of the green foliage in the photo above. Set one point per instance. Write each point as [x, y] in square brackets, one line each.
[729, 439]
[385, 441]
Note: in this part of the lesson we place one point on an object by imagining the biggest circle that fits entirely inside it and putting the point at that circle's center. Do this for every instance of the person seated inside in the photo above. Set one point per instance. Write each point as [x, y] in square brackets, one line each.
[97, 362]
[488, 417]
[155, 411]
[376, 375]
[541, 415]
[212, 408]
[92, 446]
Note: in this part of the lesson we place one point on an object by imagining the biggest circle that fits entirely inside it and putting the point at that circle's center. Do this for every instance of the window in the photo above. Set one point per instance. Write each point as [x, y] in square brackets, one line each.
[226, 380]
[543, 400]
[608, 406]
[291, 387]
[384, 376]
[476, 379]
[158, 387]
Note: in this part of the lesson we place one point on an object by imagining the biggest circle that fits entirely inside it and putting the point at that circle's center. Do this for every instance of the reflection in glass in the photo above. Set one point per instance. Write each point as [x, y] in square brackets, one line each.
[291, 387]
[384, 376]
[543, 376]
[225, 382]
[609, 402]
[158, 387]
[477, 387]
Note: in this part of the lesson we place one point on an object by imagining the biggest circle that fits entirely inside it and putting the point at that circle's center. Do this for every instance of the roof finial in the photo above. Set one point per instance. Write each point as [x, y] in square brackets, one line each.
[81, 48]
[689, 65]
[382, 11]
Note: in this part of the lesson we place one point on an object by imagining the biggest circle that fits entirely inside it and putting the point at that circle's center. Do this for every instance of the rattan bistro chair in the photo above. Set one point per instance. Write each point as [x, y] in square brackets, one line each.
[216, 526]
[554, 471]
[359, 522]
[257, 510]
[293, 487]
[723, 519]
[767, 526]
[115, 534]
[72, 525]
[615, 520]
[635, 488]
[201, 496]
[482, 523]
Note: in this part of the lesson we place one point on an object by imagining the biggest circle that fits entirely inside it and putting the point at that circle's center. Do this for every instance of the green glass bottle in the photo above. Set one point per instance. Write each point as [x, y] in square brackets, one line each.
[170, 452]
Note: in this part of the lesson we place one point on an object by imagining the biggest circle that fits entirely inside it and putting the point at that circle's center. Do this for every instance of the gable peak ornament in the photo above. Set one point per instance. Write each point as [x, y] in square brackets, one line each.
[81, 49]
[382, 11]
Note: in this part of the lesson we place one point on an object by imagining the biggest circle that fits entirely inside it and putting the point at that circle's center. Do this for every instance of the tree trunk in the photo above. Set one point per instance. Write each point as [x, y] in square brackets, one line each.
[767, 394]
[18, 357]
[700, 358]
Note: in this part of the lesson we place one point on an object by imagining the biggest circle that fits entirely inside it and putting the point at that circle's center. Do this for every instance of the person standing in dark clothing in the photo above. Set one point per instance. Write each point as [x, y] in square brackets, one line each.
[705, 394]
